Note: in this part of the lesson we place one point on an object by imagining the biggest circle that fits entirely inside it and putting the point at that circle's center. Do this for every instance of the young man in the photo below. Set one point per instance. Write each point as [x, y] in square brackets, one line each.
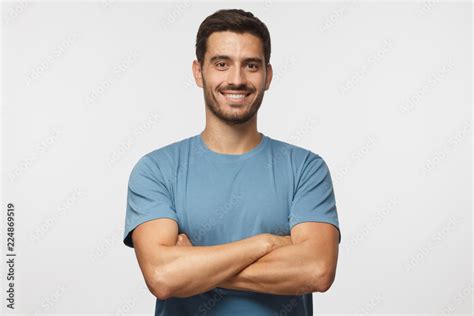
[231, 221]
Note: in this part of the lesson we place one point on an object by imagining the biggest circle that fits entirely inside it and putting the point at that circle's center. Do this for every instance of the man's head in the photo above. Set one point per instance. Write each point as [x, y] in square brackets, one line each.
[233, 64]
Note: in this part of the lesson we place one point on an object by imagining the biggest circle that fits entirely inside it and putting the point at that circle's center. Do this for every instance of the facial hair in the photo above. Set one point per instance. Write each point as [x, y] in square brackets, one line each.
[231, 118]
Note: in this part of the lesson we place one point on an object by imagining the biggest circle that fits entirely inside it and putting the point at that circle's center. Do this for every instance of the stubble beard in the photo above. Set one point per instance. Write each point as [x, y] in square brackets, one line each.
[231, 118]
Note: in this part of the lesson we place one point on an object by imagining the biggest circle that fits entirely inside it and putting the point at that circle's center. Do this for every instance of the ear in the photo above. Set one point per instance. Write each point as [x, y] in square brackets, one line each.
[197, 73]
[268, 78]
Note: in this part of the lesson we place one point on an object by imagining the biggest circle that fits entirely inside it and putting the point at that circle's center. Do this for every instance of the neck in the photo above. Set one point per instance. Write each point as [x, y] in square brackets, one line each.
[231, 139]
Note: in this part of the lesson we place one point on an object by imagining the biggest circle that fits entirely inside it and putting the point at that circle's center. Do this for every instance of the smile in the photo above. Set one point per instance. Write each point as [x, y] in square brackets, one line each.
[235, 97]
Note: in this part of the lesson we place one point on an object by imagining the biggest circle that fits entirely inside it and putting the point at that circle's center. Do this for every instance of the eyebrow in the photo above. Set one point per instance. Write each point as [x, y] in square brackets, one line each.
[247, 60]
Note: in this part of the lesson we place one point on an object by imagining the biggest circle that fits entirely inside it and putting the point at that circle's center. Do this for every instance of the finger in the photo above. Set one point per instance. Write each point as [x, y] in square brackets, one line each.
[179, 241]
[186, 240]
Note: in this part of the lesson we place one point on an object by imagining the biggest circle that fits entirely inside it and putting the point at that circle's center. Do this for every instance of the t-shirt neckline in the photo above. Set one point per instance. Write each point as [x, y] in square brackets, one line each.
[230, 157]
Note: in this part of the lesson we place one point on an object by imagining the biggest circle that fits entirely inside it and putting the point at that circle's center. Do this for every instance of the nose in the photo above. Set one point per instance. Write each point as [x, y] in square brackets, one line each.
[236, 76]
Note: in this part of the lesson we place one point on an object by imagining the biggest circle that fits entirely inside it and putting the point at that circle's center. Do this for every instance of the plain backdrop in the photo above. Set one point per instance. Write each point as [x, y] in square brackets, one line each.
[381, 90]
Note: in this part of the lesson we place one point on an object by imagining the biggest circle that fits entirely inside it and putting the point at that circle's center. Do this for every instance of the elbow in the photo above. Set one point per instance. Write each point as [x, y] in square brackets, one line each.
[323, 279]
[159, 286]
[324, 285]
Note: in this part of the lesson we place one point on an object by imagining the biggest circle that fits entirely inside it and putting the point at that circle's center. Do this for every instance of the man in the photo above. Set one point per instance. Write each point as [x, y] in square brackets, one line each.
[231, 221]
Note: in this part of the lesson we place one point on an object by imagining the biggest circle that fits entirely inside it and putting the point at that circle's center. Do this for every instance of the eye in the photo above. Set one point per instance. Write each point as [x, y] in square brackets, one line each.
[221, 64]
[253, 66]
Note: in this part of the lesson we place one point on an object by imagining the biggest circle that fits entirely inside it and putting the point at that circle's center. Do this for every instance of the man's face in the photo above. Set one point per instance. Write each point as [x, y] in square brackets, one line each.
[233, 76]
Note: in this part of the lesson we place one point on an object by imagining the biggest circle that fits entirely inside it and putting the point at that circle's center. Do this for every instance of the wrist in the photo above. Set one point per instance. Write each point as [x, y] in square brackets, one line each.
[268, 243]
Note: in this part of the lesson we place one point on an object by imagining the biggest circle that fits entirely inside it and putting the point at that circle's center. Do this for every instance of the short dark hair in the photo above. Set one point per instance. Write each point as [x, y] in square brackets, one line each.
[234, 20]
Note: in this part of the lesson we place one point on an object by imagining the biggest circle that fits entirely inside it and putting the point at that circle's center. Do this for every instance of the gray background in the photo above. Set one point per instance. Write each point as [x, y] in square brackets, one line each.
[382, 91]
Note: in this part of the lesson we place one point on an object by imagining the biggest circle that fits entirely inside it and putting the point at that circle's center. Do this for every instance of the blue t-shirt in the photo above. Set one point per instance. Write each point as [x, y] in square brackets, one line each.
[219, 198]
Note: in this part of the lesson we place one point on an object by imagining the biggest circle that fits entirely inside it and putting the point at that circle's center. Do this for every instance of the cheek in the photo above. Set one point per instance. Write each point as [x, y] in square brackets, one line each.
[214, 79]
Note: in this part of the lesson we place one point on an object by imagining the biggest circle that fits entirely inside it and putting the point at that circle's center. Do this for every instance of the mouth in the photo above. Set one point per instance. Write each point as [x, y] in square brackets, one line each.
[235, 96]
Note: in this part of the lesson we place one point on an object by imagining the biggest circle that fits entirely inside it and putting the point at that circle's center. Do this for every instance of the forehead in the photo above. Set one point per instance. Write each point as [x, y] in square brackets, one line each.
[235, 45]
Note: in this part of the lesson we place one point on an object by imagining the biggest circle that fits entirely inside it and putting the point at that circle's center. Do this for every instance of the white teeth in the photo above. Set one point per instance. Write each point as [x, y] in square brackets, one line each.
[235, 96]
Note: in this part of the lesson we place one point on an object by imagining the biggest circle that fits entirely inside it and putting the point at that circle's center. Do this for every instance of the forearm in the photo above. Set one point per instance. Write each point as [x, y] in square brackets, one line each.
[289, 270]
[187, 271]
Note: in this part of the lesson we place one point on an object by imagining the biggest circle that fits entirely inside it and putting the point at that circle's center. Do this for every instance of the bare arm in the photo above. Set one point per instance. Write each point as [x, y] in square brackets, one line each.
[173, 271]
[307, 265]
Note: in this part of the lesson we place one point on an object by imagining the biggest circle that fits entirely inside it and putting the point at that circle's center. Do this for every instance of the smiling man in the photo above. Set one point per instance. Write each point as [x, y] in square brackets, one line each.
[231, 221]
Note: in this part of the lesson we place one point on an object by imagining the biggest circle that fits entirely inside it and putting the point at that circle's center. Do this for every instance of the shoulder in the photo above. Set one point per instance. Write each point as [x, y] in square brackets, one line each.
[298, 155]
[163, 158]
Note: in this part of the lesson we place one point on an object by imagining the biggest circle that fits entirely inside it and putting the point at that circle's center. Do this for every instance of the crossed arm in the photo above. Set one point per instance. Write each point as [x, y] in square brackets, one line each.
[308, 264]
[286, 265]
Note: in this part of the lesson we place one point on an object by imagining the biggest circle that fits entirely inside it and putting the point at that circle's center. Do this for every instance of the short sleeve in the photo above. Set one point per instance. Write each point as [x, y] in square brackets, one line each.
[314, 199]
[148, 197]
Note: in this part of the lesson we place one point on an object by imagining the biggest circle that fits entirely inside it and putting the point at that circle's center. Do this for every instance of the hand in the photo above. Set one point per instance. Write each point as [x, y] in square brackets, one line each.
[183, 240]
[279, 241]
